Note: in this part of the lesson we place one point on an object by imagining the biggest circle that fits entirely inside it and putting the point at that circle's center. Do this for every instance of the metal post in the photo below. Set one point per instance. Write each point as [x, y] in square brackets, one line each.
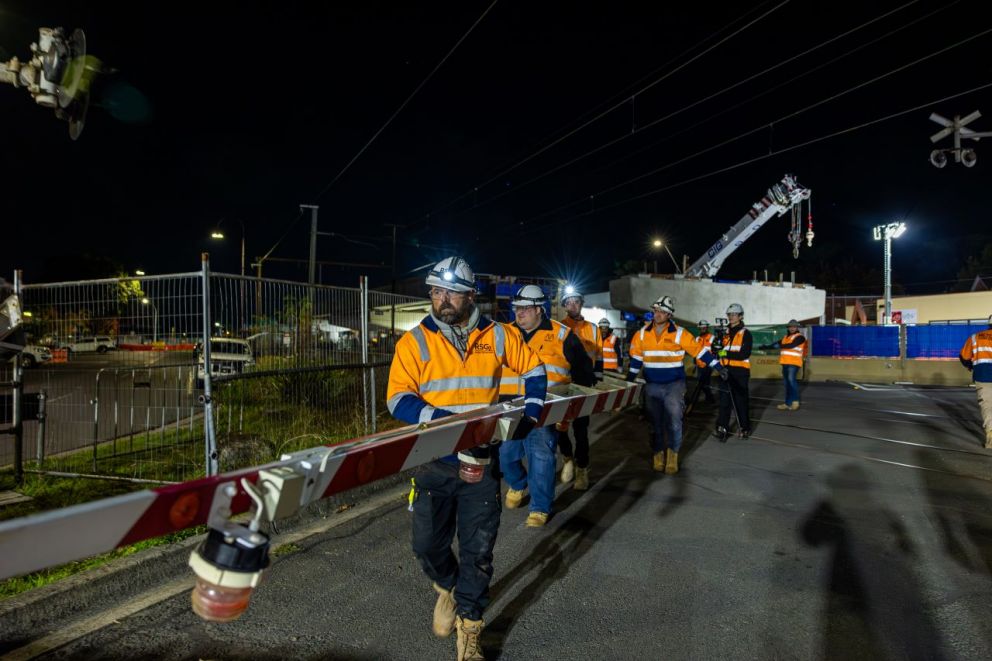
[16, 396]
[96, 415]
[209, 435]
[888, 279]
[363, 286]
[313, 241]
[40, 445]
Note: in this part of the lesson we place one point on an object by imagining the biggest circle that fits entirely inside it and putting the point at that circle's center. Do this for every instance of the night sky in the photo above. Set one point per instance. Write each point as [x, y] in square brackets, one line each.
[243, 111]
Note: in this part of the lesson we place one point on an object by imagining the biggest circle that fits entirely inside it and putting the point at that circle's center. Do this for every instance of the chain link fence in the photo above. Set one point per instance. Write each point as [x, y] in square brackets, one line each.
[122, 366]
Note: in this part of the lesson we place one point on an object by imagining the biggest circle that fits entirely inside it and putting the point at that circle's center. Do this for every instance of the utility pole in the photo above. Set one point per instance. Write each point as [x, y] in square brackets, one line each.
[313, 240]
[392, 322]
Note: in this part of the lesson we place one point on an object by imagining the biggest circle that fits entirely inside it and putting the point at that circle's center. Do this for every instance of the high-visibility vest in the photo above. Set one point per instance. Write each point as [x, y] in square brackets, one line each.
[735, 342]
[588, 333]
[549, 345]
[978, 349]
[661, 355]
[707, 341]
[610, 361]
[793, 356]
[426, 366]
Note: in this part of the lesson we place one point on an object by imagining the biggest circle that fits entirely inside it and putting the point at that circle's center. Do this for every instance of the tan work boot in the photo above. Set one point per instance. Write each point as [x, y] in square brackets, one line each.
[536, 519]
[469, 640]
[568, 470]
[581, 479]
[514, 498]
[988, 439]
[672, 463]
[783, 407]
[444, 612]
[658, 462]
[795, 406]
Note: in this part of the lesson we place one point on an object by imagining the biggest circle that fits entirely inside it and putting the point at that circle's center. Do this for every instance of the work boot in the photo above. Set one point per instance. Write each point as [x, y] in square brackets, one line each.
[721, 433]
[469, 640]
[783, 407]
[514, 498]
[581, 479]
[794, 407]
[988, 439]
[444, 612]
[672, 463]
[568, 470]
[658, 461]
[745, 433]
[536, 519]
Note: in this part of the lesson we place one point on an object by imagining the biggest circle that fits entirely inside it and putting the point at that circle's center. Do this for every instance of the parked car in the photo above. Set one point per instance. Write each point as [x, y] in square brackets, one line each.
[34, 354]
[98, 343]
[228, 355]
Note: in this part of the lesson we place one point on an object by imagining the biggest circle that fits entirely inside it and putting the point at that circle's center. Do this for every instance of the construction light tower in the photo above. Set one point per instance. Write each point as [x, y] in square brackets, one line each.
[886, 233]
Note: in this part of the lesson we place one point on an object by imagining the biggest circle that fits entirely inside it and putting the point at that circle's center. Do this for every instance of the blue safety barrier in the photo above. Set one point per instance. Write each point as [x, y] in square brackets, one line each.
[938, 341]
[856, 341]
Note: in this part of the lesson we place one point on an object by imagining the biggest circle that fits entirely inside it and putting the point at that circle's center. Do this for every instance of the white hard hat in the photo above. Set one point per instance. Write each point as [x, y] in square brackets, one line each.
[664, 304]
[529, 296]
[452, 273]
[735, 308]
[603, 322]
[703, 323]
[570, 292]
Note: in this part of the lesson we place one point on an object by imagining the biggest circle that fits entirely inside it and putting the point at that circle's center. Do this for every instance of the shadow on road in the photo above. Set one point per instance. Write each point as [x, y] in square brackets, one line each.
[872, 603]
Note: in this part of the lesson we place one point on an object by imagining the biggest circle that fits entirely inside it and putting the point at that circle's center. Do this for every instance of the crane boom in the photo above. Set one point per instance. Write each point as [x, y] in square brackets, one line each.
[779, 199]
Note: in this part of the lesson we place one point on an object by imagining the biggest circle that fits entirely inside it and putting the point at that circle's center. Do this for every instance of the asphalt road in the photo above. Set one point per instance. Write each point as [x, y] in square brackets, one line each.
[856, 528]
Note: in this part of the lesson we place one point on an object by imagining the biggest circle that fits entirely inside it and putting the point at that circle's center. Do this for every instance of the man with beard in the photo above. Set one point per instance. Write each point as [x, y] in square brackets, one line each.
[451, 363]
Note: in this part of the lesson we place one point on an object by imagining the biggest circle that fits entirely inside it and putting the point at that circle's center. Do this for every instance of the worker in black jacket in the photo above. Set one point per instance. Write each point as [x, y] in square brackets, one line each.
[735, 355]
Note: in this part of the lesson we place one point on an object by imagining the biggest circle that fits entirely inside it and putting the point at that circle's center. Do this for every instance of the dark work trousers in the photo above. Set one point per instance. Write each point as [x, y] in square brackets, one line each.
[444, 504]
[737, 384]
[581, 454]
[704, 375]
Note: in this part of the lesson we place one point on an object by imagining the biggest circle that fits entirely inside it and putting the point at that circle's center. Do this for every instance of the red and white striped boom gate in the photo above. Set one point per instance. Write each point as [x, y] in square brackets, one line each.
[52, 538]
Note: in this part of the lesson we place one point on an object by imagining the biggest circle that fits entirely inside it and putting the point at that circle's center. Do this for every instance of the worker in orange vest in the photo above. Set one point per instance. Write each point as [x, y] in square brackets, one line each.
[792, 351]
[735, 396]
[577, 464]
[612, 347]
[976, 355]
[703, 371]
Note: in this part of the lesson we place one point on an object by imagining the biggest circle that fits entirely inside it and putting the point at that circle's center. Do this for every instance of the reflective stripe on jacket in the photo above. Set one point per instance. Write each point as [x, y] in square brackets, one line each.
[611, 357]
[792, 349]
[591, 338]
[549, 347]
[735, 343]
[977, 351]
[428, 378]
[660, 355]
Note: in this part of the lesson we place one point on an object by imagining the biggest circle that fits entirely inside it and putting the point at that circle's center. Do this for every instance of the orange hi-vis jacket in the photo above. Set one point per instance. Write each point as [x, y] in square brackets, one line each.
[661, 354]
[977, 354]
[549, 345]
[429, 379]
[591, 338]
[611, 357]
[792, 349]
[707, 341]
[737, 342]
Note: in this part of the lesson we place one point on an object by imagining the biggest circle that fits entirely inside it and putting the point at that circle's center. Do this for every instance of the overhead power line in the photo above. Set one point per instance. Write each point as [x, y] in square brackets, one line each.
[740, 164]
[614, 106]
[764, 72]
[762, 127]
[406, 101]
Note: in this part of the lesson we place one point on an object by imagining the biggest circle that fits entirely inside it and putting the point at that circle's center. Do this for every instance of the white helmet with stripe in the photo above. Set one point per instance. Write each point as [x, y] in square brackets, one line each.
[529, 296]
[703, 324]
[664, 304]
[735, 308]
[452, 273]
[571, 292]
[604, 322]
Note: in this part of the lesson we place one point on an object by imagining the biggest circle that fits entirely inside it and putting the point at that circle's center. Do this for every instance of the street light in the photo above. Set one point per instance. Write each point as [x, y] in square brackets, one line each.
[145, 301]
[658, 243]
[139, 272]
[219, 235]
[886, 233]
